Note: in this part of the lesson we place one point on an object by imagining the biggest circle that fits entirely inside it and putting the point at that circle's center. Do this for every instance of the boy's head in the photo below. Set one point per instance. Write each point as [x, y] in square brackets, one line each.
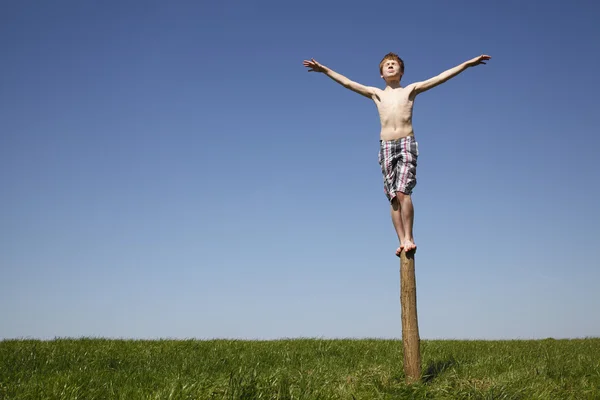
[391, 67]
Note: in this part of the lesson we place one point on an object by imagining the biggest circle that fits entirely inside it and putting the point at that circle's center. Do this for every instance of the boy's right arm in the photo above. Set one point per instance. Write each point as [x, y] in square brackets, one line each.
[366, 91]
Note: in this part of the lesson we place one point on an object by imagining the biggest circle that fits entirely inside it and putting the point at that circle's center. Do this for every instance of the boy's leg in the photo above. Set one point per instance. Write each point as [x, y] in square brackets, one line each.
[407, 213]
[398, 160]
[398, 225]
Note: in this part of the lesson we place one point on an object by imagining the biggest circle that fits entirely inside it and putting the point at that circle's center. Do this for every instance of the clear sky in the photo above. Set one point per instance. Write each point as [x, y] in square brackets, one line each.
[171, 170]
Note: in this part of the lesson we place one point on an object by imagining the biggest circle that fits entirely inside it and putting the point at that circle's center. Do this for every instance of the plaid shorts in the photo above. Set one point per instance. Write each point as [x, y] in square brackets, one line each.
[398, 161]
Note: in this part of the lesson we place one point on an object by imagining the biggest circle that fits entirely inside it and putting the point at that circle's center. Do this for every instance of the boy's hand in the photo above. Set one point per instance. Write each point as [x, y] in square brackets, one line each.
[313, 66]
[478, 60]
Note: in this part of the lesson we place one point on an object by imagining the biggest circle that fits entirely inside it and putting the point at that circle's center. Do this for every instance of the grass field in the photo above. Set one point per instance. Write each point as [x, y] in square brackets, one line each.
[296, 369]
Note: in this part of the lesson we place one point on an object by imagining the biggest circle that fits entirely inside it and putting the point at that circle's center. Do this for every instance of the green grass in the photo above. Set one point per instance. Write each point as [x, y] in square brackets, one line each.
[296, 369]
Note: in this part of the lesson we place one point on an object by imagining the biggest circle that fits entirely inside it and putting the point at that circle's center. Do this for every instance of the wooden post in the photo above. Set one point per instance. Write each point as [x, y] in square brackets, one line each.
[410, 325]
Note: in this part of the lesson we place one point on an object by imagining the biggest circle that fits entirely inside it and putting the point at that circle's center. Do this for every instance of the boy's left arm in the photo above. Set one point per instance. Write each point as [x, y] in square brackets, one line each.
[421, 87]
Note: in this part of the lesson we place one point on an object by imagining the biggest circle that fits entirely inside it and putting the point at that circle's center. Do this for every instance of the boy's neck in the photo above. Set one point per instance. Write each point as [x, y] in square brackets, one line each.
[392, 84]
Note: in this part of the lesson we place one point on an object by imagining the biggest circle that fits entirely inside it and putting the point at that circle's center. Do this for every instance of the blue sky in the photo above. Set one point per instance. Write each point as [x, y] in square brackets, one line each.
[170, 170]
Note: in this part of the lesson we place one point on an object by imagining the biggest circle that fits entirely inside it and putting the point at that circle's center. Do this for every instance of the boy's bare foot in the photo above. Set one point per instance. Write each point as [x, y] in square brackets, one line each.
[399, 250]
[409, 245]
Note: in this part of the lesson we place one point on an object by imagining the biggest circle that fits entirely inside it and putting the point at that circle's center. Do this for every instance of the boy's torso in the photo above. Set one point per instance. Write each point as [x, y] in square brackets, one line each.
[395, 107]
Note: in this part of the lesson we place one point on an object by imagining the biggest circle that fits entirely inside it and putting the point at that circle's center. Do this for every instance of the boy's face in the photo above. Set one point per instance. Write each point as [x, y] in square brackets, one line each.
[391, 70]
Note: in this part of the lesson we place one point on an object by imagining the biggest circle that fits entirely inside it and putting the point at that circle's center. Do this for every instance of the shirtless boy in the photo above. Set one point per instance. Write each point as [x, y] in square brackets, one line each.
[398, 150]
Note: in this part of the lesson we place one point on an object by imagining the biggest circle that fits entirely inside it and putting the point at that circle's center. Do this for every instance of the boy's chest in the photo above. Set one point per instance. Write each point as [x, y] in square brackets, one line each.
[398, 99]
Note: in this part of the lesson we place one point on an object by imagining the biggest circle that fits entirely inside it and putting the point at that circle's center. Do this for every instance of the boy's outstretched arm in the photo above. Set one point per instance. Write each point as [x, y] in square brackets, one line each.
[421, 87]
[314, 66]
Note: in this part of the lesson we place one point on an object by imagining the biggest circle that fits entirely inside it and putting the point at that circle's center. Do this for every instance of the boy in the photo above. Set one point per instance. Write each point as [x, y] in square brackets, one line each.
[398, 150]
